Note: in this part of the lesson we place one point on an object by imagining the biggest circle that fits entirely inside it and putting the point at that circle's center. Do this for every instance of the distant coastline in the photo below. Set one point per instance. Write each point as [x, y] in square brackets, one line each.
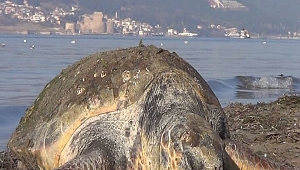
[23, 28]
[37, 29]
[48, 33]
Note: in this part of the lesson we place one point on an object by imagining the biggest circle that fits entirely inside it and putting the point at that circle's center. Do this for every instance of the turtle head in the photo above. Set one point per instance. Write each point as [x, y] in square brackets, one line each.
[192, 144]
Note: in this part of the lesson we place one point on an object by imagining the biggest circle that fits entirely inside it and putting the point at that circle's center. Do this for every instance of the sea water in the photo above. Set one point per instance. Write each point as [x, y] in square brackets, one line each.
[237, 70]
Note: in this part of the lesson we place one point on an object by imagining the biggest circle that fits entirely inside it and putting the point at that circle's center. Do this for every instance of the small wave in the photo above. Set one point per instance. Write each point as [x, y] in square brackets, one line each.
[221, 85]
[250, 89]
[267, 82]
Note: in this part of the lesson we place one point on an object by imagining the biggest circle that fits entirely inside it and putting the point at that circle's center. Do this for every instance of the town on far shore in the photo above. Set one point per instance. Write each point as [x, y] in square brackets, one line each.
[36, 20]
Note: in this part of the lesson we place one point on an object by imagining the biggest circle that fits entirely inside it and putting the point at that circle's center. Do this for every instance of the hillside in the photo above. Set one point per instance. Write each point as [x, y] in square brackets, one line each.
[266, 16]
[263, 17]
[287, 10]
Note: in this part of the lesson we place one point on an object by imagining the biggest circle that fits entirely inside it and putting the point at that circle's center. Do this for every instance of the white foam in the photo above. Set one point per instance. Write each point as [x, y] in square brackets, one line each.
[273, 82]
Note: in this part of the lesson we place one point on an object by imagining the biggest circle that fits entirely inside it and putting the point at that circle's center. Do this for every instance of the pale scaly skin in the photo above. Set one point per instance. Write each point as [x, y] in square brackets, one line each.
[244, 159]
[135, 108]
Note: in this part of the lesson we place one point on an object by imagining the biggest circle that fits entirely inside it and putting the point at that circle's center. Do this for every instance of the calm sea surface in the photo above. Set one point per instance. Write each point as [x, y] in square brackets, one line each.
[238, 70]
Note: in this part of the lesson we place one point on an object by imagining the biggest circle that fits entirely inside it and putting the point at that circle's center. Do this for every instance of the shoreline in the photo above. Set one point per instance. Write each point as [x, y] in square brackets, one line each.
[48, 33]
[271, 130]
[37, 29]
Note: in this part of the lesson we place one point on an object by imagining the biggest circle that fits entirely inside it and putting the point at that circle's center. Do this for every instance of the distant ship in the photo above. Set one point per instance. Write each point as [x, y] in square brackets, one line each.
[232, 35]
[242, 34]
[158, 34]
[129, 33]
[186, 33]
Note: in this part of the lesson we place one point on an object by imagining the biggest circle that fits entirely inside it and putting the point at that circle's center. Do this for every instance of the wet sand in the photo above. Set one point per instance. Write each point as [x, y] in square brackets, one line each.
[271, 130]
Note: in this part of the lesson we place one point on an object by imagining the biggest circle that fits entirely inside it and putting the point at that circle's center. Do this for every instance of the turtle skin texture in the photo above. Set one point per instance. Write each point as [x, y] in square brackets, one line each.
[137, 108]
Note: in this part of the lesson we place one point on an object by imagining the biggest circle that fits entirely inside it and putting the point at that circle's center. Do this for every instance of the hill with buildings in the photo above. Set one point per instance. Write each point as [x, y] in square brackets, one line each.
[267, 16]
[205, 17]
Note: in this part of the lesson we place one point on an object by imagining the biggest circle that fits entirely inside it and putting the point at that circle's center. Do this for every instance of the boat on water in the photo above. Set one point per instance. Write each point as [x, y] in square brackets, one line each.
[232, 35]
[158, 34]
[186, 33]
[242, 34]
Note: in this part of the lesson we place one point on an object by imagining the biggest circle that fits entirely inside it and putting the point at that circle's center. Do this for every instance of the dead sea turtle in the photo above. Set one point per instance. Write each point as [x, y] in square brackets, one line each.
[136, 108]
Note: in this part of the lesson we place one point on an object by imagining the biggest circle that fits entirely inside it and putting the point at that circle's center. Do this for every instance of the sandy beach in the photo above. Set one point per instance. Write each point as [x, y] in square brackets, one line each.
[271, 130]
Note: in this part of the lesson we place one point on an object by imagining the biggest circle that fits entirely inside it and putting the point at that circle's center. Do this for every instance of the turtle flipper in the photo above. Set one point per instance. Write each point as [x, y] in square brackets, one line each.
[241, 158]
[94, 160]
